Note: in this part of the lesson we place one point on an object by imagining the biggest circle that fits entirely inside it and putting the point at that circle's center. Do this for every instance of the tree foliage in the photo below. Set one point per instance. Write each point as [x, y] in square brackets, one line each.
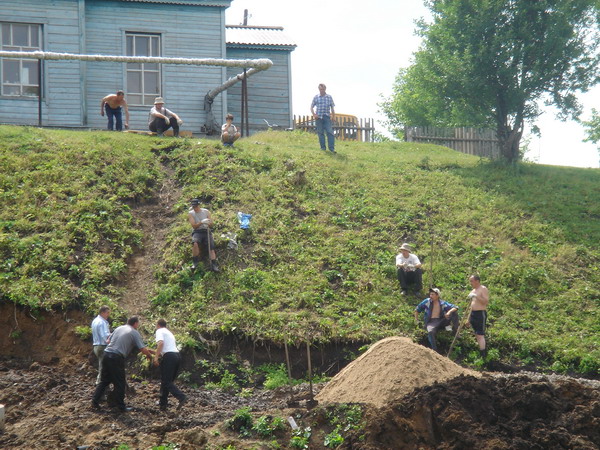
[490, 63]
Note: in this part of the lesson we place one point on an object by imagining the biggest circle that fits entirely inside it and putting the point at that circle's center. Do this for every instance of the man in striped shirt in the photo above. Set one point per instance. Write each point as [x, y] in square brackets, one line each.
[322, 109]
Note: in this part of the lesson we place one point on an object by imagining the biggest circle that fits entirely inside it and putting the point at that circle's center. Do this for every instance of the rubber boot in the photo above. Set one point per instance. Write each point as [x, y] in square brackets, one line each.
[195, 261]
[483, 353]
[214, 265]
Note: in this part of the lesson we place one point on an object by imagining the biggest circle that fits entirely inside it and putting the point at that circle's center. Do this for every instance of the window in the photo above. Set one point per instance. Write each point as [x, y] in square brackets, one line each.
[143, 79]
[20, 76]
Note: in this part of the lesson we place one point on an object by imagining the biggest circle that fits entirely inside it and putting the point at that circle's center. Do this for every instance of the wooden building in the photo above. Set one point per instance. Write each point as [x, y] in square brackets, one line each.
[72, 90]
[269, 93]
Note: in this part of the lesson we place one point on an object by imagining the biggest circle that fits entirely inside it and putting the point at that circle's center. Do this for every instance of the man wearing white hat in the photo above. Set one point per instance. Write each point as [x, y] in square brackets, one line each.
[409, 270]
[161, 119]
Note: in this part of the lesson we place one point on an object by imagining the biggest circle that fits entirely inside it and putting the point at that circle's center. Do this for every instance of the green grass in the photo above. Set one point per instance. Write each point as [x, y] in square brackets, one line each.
[318, 261]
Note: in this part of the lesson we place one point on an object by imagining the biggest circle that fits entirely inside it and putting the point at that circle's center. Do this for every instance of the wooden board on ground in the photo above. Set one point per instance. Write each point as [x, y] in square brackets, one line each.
[182, 133]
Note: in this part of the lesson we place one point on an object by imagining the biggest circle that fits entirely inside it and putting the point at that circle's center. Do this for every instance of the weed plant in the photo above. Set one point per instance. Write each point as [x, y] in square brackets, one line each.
[317, 263]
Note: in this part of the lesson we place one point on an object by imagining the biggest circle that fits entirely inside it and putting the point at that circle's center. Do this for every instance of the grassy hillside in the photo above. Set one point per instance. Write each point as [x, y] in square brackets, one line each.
[318, 261]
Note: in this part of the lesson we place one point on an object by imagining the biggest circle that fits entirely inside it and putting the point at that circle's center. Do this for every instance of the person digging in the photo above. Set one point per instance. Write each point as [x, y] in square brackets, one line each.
[201, 221]
[438, 315]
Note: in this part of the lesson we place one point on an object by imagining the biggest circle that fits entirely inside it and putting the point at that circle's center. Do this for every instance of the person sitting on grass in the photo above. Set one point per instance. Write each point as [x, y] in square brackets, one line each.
[409, 270]
[438, 315]
[229, 132]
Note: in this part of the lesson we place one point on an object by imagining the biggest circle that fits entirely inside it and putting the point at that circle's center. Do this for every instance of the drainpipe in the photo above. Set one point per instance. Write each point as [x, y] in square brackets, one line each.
[82, 64]
[211, 125]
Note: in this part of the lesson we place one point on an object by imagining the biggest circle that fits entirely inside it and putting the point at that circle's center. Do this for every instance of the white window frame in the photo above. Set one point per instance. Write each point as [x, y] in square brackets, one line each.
[25, 66]
[147, 97]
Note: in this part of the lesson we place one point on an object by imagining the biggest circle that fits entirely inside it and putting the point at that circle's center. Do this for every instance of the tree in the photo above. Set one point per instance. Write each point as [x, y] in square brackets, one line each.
[491, 62]
[593, 128]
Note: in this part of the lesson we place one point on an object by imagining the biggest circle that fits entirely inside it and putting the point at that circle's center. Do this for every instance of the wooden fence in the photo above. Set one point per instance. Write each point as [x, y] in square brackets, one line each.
[345, 127]
[474, 141]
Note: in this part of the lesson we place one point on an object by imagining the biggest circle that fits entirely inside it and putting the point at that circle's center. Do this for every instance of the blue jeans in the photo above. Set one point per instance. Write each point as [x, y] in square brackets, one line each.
[324, 126]
[116, 113]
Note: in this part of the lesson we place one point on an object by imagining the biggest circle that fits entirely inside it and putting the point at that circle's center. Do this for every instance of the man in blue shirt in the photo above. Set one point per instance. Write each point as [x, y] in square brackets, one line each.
[438, 315]
[324, 115]
[123, 340]
[100, 335]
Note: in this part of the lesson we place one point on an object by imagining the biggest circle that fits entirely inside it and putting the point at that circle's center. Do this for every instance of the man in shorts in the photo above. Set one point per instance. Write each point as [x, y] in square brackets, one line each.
[480, 299]
[201, 221]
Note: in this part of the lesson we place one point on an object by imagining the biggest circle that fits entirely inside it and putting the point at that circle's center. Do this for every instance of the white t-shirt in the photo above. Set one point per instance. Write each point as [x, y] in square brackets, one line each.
[412, 260]
[169, 344]
[199, 216]
[231, 129]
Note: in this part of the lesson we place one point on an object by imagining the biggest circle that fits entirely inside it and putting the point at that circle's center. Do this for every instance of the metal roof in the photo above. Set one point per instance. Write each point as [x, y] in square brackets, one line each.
[247, 35]
[221, 3]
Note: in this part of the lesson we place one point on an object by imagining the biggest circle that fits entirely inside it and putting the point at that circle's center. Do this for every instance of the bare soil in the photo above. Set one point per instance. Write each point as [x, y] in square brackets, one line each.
[155, 219]
[48, 406]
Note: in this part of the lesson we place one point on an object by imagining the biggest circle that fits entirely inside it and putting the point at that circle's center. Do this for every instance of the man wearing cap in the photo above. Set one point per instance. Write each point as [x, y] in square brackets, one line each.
[201, 221]
[409, 270]
[123, 340]
[480, 299]
[438, 315]
[161, 119]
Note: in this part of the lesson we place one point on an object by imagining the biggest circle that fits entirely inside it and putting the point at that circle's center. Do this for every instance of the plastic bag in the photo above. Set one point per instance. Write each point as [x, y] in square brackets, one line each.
[244, 220]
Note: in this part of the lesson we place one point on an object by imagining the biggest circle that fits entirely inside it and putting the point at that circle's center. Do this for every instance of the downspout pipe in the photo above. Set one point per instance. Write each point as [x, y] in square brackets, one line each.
[212, 127]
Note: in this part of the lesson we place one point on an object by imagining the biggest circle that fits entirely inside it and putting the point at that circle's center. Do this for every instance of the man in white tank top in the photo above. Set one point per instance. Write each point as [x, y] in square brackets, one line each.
[201, 221]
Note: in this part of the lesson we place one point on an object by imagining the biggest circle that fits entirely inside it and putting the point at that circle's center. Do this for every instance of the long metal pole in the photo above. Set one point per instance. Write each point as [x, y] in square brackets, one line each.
[40, 92]
[246, 101]
[243, 106]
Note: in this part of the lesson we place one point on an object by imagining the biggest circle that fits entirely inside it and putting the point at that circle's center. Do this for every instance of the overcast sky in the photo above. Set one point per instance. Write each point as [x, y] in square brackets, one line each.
[356, 48]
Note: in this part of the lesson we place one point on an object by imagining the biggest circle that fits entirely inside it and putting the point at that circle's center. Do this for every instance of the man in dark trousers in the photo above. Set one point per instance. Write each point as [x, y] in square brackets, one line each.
[438, 315]
[168, 358]
[123, 340]
[201, 221]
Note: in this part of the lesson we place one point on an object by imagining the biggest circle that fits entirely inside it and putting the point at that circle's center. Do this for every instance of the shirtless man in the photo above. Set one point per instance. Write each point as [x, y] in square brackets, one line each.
[112, 104]
[480, 299]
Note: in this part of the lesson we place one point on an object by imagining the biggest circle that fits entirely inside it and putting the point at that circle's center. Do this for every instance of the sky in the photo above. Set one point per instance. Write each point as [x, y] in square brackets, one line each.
[356, 48]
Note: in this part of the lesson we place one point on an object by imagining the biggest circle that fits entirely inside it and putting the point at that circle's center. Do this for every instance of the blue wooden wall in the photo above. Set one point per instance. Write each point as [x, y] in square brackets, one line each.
[186, 32]
[269, 92]
[60, 33]
[99, 27]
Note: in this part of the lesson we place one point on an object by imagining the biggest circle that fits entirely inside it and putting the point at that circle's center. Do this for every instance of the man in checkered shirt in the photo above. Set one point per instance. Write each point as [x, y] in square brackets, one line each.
[324, 115]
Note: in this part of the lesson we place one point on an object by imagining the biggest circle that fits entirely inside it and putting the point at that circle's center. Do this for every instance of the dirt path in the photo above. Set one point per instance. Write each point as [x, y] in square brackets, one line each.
[155, 218]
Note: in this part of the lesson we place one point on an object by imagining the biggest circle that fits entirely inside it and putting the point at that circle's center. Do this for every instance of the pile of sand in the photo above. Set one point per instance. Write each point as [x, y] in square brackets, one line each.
[389, 370]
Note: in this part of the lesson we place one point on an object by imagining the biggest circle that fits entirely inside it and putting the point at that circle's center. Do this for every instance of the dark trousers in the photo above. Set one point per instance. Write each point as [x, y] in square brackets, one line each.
[113, 371]
[414, 278]
[440, 324]
[159, 126]
[169, 369]
[116, 114]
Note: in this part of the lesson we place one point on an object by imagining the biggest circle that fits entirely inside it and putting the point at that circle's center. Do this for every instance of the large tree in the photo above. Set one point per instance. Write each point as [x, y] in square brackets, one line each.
[493, 62]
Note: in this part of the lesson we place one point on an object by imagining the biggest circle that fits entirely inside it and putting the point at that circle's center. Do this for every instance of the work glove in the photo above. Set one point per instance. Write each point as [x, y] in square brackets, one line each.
[179, 122]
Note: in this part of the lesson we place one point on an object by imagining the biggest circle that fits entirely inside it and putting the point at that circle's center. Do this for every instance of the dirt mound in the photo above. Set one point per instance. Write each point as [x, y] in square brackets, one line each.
[389, 370]
[491, 412]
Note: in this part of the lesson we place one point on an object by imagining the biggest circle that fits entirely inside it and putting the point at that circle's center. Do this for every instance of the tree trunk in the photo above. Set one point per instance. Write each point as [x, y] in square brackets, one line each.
[510, 138]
